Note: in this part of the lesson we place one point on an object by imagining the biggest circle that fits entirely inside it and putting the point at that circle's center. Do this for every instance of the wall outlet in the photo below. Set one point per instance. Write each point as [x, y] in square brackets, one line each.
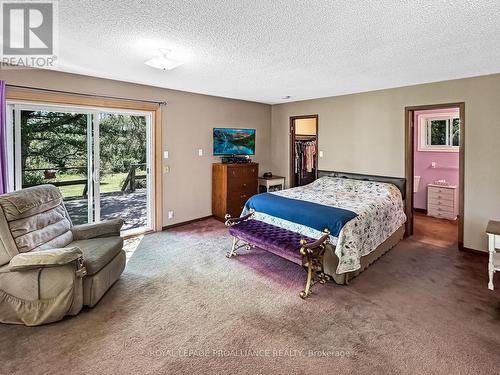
[200, 152]
[170, 214]
[321, 154]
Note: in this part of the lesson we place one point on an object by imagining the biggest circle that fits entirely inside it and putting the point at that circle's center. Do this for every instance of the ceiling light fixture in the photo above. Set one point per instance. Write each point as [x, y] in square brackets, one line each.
[162, 61]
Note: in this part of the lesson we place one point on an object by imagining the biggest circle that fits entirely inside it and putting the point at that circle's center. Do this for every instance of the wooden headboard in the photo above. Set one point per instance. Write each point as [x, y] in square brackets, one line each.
[398, 181]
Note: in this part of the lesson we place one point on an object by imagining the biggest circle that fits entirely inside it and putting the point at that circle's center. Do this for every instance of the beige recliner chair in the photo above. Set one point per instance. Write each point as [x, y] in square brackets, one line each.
[48, 267]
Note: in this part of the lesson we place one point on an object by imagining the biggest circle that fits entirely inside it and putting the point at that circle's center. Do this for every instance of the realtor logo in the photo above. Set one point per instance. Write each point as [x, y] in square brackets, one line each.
[28, 33]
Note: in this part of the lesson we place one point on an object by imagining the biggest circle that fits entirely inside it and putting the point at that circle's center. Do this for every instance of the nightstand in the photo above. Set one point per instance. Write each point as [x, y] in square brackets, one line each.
[493, 231]
[268, 184]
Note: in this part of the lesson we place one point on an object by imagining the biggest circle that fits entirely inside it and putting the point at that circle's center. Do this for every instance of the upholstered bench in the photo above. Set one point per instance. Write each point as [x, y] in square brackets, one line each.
[304, 251]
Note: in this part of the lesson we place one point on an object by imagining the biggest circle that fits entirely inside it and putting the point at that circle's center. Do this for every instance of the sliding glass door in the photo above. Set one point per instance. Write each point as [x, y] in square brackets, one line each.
[123, 166]
[100, 160]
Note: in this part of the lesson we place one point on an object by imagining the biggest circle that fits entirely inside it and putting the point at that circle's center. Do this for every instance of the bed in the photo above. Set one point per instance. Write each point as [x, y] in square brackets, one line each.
[363, 213]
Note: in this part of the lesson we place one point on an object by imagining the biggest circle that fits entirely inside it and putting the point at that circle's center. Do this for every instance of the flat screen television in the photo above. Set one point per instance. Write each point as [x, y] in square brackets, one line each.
[230, 141]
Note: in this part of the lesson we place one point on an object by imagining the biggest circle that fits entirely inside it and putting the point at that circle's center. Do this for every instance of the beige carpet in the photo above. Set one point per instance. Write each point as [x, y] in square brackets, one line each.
[181, 307]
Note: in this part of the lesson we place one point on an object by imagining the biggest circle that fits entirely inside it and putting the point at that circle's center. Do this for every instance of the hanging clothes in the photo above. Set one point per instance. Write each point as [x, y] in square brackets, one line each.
[310, 156]
[305, 157]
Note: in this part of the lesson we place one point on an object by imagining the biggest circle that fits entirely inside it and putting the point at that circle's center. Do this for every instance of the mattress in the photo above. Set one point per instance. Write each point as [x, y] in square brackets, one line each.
[379, 214]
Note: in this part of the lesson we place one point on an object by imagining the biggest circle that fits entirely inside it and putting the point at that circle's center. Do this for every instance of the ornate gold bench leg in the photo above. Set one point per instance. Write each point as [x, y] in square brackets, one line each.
[323, 277]
[233, 248]
[307, 290]
[313, 254]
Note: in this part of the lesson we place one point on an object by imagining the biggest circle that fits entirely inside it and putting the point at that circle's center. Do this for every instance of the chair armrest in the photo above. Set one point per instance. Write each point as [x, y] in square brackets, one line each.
[102, 229]
[44, 258]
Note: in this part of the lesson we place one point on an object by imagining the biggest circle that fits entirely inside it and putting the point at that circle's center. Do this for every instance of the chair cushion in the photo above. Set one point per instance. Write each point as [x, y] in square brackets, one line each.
[37, 218]
[30, 201]
[97, 252]
[95, 286]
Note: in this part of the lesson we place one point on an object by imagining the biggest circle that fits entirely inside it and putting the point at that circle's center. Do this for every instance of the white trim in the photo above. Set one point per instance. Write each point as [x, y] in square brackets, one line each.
[10, 147]
[95, 168]
[90, 160]
[18, 183]
[150, 172]
[423, 120]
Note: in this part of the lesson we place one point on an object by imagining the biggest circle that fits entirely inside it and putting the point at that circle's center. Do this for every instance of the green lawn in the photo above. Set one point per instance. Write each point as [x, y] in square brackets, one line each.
[110, 182]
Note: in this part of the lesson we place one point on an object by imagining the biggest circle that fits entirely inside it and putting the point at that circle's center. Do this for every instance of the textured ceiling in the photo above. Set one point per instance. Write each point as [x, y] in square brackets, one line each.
[264, 50]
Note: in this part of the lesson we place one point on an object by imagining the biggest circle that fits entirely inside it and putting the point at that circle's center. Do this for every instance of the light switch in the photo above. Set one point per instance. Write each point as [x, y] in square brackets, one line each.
[165, 154]
[321, 154]
[200, 152]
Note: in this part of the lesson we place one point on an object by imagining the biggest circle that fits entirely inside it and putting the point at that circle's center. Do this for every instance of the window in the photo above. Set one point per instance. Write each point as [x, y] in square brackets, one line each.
[439, 133]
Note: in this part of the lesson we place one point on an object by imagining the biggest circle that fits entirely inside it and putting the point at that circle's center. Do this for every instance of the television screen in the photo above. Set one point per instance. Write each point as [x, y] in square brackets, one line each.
[234, 141]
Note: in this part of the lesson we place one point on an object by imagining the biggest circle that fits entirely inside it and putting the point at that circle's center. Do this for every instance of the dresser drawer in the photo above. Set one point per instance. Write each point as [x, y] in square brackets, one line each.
[235, 204]
[441, 193]
[441, 202]
[242, 172]
[242, 184]
[440, 208]
[236, 172]
[441, 211]
[442, 215]
[237, 196]
[236, 200]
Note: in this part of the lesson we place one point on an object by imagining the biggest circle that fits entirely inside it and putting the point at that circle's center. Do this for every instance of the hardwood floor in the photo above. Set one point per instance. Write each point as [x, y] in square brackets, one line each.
[436, 232]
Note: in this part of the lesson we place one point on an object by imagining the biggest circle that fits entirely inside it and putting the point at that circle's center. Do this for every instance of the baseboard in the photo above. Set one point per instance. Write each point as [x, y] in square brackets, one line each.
[421, 210]
[186, 222]
[461, 247]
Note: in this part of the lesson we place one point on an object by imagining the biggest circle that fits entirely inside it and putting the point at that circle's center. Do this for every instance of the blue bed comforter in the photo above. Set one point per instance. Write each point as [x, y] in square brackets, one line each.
[310, 214]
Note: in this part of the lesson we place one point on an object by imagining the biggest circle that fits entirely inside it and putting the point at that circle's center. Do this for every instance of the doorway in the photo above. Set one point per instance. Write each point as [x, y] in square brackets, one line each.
[100, 159]
[435, 144]
[303, 150]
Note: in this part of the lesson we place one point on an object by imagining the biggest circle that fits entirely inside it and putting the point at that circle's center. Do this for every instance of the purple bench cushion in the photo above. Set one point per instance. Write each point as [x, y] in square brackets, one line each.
[279, 241]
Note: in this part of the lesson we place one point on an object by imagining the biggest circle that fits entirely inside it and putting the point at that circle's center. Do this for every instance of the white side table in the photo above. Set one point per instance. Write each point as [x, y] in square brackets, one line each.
[493, 231]
[267, 184]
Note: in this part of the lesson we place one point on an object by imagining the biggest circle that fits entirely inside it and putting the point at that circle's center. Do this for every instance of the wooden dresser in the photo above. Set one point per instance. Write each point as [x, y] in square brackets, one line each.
[232, 185]
[442, 201]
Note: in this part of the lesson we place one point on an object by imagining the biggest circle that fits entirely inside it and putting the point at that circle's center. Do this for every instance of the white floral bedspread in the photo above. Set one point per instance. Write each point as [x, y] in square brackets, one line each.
[379, 207]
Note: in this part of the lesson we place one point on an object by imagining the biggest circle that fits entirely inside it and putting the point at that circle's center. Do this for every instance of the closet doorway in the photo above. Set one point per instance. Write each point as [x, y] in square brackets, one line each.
[303, 149]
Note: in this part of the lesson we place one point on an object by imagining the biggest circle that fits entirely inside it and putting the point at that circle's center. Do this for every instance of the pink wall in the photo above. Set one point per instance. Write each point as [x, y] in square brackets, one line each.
[446, 163]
